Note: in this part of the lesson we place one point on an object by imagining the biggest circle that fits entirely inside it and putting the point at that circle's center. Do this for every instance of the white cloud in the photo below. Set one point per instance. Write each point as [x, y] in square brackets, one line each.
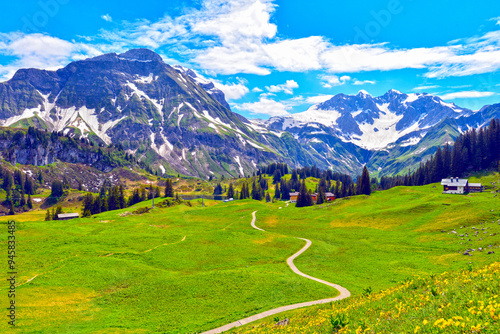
[497, 19]
[257, 90]
[333, 80]
[318, 99]
[239, 36]
[41, 51]
[107, 18]
[233, 21]
[363, 82]
[425, 87]
[232, 91]
[265, 106]
[465, 94]
[287, 87]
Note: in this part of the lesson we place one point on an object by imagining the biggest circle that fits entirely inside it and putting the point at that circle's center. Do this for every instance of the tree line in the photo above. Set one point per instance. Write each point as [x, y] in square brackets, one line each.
[472, 151]
[18, 187]
[113, 197]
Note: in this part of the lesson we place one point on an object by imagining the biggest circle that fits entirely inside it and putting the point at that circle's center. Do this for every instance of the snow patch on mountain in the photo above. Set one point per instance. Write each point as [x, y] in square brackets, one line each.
[237, 158]
[314, 114]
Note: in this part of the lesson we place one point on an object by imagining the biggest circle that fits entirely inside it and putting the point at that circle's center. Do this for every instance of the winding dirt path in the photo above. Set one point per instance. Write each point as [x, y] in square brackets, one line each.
[344, 293]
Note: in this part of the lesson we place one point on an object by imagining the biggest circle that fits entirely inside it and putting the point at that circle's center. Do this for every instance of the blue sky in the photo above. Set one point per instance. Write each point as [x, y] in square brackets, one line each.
[276, 57]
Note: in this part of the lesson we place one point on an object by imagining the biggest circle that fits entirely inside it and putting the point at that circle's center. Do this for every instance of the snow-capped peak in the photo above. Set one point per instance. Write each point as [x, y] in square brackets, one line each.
[395, 91]
[363, 93]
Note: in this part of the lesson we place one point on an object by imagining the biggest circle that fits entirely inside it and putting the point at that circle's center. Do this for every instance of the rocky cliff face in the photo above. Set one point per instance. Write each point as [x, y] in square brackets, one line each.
[40, 148]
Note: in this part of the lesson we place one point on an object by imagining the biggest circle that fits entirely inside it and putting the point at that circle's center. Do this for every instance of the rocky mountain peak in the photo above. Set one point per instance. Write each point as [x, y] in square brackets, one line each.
[141, 55]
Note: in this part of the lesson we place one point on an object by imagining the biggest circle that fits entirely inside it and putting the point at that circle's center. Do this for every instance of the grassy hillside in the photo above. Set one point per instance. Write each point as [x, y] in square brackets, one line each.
[464, 301]
[190, 268]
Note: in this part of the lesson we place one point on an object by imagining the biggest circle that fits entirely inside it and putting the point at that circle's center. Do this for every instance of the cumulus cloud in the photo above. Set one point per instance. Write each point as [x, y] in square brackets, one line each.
[287, 87]
[107, 17]
[265, 106]
[465, 94]
[333, 80]
[239, 36]
[425, 87]
[41, 51]
[232, 91]
[363, 82]
[257, 90]
[318, 99]
[496, 19]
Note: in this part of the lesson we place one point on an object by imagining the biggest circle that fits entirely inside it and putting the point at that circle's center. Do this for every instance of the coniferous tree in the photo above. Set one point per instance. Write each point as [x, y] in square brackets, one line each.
[121, 196]
[218, 189]
[268, 198]
[321, 196]
[304, 198]
[30, 203]
[230, 191]
[47, 216]
[257, 191]
[276, 176]
[58, 212]
[96, 205]
[277, 192]
[11, 208]
[22, 201]
[169, 188]
[56, 189]
[87, 204]
[365, 187]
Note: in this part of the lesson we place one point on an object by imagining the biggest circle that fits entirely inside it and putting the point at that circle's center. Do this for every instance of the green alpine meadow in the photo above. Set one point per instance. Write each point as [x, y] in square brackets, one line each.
[249, 166]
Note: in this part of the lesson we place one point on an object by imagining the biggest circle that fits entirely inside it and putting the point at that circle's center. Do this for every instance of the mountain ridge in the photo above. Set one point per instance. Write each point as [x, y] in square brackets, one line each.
[173, 118]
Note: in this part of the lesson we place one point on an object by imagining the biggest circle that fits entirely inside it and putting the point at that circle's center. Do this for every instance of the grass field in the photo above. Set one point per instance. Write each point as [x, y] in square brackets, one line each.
[187, 269]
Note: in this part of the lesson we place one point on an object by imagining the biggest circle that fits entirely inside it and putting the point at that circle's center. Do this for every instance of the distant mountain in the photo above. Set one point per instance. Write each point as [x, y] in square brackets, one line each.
[389, 133]
[167, 116]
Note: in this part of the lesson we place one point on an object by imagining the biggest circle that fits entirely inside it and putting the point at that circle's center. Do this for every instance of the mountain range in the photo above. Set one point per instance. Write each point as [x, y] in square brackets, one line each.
[178, 122]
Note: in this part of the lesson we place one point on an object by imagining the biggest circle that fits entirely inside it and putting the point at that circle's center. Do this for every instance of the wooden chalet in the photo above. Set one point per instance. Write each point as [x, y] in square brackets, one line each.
[329, 197]
[455, 185]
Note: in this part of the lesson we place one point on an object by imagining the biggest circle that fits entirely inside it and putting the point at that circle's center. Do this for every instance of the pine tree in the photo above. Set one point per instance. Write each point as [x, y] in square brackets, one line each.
[230, 191]
[58, 212]
[365, 182]
[87, 203]
[11, 208]
[30, 203]
[121, 196]
[268, 198]
[304, 198]
[56, 189]
[277, 192]
[321, 196]
[47, 216]
[169, 188]
[23, 200]
[257, 191]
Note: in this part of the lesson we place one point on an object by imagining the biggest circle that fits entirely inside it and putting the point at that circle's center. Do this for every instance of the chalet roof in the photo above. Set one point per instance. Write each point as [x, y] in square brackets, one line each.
[475, 184]
[329, 194]
[294, 194]
[67, 215]
[454, 182]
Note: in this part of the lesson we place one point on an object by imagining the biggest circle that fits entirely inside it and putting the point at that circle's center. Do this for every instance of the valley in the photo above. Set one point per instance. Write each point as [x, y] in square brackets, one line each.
[196, 268]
